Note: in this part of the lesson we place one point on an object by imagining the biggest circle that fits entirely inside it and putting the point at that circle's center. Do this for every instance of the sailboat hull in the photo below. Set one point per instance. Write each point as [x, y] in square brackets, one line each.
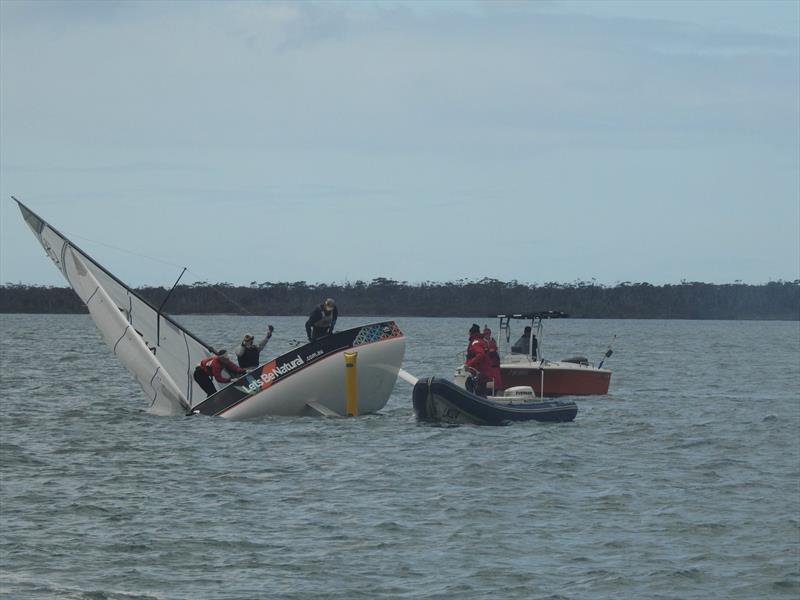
[313, 376]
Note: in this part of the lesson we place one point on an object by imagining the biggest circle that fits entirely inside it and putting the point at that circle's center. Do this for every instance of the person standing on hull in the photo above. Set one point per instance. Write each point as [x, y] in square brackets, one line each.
[322, 320]
[214, 366]
[248, 354]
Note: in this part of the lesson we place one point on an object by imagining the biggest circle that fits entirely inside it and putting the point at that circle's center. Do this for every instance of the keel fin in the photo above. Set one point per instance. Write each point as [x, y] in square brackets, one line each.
[322, 411]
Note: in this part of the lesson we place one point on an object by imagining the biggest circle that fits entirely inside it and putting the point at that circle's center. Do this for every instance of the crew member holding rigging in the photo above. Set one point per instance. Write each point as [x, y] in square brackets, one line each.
[248, 354]
[215, 365]
[322, 320]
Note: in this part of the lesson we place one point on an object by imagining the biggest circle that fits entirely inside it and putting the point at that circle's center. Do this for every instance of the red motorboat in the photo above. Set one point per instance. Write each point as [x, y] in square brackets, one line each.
[522, 363]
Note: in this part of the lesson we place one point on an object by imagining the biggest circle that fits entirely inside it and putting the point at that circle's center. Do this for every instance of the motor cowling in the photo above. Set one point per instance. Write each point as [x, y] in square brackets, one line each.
[519, 391]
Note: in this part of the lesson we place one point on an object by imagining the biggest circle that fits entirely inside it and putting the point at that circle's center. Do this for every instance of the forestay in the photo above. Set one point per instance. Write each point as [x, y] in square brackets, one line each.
[173, 347]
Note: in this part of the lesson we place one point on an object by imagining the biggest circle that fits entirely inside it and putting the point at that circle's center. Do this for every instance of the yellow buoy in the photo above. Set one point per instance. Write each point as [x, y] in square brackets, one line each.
[351, 383]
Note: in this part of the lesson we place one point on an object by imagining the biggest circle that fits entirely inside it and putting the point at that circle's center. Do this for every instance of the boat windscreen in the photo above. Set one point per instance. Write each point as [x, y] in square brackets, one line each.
[545, 314]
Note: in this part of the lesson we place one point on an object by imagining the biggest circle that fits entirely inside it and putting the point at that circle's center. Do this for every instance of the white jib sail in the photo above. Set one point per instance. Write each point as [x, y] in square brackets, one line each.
[177, 350]
[133, 353]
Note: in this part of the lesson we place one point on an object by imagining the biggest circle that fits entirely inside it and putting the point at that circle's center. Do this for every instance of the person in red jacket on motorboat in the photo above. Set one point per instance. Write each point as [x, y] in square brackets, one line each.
[215, 366]
[478, 359]
[494, 358]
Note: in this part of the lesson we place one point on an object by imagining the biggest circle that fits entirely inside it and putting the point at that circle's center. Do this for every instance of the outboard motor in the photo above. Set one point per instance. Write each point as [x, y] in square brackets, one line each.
[519, 393]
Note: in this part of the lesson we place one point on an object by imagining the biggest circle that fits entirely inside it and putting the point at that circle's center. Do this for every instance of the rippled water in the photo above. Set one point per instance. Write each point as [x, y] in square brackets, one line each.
[683, 482]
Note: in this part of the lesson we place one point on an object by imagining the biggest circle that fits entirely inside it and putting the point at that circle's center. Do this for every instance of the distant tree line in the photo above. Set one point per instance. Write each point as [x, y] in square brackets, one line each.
[779, 300]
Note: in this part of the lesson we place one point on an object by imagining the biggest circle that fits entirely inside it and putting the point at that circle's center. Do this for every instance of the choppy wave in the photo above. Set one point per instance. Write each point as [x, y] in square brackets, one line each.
[665, 488]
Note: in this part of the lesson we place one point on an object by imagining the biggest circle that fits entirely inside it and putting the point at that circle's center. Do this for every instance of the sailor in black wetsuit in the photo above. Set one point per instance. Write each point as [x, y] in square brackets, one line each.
[322, 320]
[248, 354]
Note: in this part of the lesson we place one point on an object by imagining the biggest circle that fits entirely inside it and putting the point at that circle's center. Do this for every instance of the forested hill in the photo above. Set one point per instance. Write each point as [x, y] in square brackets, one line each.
[386, 297]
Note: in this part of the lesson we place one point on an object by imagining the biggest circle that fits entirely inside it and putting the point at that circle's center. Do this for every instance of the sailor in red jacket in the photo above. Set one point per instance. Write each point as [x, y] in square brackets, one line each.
[478, 359]
[213, 366]
[494, 358]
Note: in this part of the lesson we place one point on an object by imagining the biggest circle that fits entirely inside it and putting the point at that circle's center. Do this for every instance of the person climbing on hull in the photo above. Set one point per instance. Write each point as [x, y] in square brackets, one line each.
[215, 366]
[322, 320]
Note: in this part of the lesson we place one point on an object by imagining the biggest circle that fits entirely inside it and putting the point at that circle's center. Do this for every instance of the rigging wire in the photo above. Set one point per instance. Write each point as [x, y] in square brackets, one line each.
[200, 277]
[124, 250]
[217, 289]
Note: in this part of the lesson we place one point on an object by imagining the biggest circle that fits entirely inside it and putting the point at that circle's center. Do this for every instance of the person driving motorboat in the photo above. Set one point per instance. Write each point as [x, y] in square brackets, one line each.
[526, 341]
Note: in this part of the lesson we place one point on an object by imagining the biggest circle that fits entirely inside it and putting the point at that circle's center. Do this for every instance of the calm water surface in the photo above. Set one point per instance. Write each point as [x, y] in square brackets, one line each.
[683, 482]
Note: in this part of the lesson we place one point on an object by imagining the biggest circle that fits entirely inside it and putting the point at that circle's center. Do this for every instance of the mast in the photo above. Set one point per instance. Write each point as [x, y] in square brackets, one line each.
[160, 314]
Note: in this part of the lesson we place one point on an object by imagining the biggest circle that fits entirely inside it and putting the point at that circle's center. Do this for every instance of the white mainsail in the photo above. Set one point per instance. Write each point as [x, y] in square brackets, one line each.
[133, 353]
[174, 350]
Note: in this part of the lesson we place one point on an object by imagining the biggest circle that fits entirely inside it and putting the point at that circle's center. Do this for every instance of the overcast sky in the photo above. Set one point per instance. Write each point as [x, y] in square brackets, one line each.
[336, 141]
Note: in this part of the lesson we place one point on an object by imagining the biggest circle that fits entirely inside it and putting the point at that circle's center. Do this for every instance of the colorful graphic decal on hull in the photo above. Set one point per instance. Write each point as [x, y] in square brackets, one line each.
[376, 333]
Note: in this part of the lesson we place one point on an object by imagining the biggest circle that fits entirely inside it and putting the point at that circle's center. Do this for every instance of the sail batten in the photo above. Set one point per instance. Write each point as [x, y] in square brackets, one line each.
[174, 348]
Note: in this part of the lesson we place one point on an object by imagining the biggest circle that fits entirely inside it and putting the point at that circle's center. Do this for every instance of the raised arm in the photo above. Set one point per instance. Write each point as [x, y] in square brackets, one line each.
[263, 342]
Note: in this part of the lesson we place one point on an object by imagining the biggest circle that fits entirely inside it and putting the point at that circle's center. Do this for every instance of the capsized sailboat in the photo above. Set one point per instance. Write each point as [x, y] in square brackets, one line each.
[161, 354]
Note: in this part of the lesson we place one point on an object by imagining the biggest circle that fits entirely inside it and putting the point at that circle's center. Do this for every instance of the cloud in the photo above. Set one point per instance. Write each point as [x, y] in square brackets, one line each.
[278, 75]
[412, 108]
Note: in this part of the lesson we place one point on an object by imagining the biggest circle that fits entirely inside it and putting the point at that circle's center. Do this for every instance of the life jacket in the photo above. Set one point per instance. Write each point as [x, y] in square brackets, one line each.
[494, 356]
[477, 357]
[214, 365]
[207, 365]
[325, 321]
[476, 344]
[323, 325]
[250, 357]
